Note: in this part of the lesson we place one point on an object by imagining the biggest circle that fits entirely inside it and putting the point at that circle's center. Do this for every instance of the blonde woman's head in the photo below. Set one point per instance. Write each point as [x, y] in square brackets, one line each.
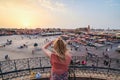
[60, 48]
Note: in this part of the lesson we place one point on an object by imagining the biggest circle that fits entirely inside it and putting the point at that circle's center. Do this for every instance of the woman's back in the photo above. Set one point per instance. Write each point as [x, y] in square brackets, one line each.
[60, 66]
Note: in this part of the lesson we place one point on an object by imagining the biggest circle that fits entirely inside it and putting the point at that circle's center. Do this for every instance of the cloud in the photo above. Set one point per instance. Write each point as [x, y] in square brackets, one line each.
[36, 4]
[52, 5]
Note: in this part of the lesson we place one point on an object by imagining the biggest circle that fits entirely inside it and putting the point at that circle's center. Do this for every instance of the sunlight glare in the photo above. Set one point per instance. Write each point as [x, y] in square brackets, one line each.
[25, 23]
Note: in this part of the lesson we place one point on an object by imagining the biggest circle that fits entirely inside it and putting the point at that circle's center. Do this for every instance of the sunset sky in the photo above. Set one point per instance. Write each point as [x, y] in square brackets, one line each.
[60, 13]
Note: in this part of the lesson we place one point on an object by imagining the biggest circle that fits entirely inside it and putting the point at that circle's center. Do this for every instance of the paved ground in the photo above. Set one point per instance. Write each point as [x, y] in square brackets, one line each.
[14, 53]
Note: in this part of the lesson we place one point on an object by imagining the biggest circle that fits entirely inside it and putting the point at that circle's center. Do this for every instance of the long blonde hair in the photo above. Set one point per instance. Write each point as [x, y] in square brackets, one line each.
[60, 48]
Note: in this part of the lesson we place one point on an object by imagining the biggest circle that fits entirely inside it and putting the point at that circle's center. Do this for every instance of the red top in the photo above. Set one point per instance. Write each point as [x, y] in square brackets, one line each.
[83, 62]
[59, 66]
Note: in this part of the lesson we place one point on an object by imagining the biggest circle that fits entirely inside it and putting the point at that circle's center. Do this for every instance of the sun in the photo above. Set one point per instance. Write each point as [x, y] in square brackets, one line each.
[26, 24]
[25, 20]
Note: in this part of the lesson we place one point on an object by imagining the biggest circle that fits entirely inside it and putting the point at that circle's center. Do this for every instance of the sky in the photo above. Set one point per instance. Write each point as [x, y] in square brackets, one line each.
[68, 14]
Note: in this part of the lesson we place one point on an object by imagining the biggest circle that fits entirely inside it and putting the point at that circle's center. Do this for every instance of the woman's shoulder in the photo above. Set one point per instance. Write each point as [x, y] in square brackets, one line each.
[53, 55]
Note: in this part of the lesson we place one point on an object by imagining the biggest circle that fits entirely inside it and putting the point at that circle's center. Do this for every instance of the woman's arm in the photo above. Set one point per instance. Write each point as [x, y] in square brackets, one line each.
[45, 50]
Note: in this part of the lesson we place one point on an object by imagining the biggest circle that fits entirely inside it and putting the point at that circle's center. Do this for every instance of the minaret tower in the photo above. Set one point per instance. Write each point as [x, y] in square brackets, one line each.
[88, 28]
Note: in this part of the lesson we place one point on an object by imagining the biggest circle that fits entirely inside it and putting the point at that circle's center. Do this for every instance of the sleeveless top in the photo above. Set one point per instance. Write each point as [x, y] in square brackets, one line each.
[59, 70]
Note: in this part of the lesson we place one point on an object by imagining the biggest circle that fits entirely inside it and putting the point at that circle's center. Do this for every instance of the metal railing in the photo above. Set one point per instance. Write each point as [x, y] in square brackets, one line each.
[10, 69]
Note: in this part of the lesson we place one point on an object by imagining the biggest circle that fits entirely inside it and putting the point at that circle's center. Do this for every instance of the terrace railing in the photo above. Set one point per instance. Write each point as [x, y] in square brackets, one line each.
[94, 68]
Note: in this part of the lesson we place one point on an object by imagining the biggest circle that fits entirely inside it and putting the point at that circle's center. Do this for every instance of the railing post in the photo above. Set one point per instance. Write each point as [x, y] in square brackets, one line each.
[15, 68]
[1, 70]
[109, 64]
[97, 61]
[74, 72]
[40, 62]
[86, 58]
[75, 58]
[28, 65]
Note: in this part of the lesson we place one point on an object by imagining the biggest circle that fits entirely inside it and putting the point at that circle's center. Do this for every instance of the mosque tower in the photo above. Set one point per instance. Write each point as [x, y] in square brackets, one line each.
[88, 29]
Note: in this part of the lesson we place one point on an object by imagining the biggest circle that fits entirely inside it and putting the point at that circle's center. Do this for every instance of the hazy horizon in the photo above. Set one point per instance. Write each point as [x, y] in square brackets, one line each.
[99, 14]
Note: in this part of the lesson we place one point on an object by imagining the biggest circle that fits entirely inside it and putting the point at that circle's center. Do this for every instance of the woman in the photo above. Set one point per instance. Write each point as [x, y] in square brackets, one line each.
[59, 58]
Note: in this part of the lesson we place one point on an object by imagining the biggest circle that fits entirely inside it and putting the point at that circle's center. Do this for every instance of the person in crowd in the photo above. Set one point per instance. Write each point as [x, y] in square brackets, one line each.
[108, 49]
[77, 62]
[84, 62]
[32, 75]
[106, 62]
[103, 53]
[106, 55]
[117, 61]
[24, 45]
[86, 49]
[33, 52]
[35, 44]
[60, 59]
[76, 48]
[4, 45]
[93, 65]
[38, 75]
[71, 63]
[71, 48]
[111, 46]
[7, 57]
